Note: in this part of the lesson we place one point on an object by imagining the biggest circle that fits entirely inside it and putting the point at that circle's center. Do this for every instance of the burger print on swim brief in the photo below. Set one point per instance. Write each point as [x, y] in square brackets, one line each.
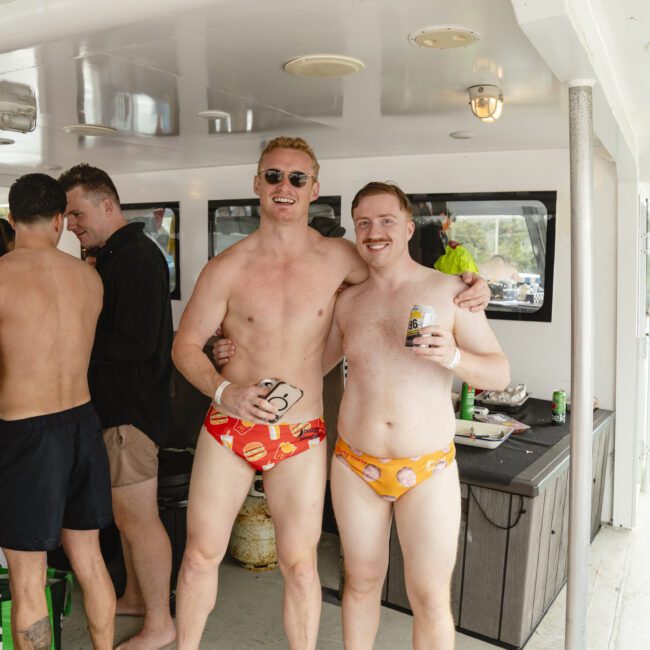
[254, 451]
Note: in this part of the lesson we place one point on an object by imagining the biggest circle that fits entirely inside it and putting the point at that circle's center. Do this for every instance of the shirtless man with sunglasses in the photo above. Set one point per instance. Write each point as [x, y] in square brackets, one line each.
[274, 292]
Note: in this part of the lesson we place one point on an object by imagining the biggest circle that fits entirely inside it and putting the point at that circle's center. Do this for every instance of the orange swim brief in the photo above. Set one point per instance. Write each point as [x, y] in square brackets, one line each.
[263, 445]
[390, 478]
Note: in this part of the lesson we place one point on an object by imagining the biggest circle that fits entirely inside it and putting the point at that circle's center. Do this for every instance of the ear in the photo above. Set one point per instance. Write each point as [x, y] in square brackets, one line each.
[10, 219]
[315, 190]
[108, 206]
[410, 229]
[256, 184]
[58, 222]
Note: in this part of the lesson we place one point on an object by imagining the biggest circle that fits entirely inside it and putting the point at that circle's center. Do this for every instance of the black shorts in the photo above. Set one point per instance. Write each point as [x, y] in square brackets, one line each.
[53, 474]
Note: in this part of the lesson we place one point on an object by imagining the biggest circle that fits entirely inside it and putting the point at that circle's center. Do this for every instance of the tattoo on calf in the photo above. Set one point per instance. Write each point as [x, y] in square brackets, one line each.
[38, 635]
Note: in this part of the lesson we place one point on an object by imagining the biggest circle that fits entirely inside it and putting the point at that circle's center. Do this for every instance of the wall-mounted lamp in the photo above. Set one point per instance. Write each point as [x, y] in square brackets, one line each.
[486, 102]
[17, 107]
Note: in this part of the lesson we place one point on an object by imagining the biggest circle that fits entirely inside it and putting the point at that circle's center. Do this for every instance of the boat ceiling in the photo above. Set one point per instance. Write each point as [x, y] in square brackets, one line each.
[149, 78]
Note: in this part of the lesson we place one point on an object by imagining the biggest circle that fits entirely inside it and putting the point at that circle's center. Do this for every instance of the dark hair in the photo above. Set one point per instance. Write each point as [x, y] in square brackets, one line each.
[36, 197]
[377, 187]
[92, 179]
[7, 236]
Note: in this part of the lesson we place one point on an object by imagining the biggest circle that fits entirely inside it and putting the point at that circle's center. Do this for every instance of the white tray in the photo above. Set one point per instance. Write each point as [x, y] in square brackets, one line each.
[463, 428]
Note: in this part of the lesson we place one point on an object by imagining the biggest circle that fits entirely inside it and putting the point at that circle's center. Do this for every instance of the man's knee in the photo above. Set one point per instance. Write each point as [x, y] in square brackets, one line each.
[430, 600]
[201, 558]
[301, 571]
[361, 580]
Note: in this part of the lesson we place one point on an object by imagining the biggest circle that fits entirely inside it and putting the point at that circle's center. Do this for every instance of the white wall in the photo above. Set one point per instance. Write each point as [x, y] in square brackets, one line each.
[539, 352]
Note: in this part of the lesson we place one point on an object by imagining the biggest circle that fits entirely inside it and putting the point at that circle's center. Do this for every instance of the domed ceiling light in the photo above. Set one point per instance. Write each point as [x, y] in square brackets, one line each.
[486, 102]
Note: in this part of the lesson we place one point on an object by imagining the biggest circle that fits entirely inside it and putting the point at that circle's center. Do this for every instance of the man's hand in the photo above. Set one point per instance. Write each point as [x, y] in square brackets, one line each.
[441, 345]
[477, 297]
[248, 403]
[222, 350]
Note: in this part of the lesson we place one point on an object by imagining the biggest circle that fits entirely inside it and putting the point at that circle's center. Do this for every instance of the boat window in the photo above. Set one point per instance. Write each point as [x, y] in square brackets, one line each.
[161, 225]
[231, 220]
[509, 238]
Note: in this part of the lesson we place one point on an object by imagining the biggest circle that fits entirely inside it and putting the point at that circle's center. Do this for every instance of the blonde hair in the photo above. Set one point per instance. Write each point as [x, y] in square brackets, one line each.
[298, 144]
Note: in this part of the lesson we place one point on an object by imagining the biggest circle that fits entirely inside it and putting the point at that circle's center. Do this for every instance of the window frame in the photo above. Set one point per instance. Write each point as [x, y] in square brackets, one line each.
[174, 206]
[549, 200]
[213, 204]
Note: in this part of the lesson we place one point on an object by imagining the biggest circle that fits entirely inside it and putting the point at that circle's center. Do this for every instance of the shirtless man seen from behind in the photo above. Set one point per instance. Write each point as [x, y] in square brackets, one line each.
[54, 479]
[396, 422]
[274, 292]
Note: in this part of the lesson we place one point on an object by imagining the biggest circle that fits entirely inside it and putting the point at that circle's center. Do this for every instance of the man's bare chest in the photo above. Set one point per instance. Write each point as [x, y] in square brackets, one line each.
[287, 295]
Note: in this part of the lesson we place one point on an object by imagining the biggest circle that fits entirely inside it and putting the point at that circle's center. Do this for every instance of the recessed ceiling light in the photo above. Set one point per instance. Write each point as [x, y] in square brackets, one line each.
[214, 115]
[324, 66]
[89, 129]
[6, 141]
[443, 37]
[462, 135]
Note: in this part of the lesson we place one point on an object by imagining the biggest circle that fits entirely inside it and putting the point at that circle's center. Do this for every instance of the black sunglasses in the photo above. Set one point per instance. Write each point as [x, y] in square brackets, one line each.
[275, 176]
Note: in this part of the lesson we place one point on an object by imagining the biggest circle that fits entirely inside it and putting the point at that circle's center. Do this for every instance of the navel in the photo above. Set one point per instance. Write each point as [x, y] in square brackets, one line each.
[320, 312]
[250, 319]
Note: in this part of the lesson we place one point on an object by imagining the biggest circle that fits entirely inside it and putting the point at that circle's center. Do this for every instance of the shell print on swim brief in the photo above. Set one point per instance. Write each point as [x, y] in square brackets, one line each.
[254, 451]
[371, 473]
[226, 441]
[216, 417]
[406, 476]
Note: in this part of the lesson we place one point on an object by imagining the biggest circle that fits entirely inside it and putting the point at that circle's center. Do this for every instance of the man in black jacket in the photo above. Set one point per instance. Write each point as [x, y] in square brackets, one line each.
[129, 376]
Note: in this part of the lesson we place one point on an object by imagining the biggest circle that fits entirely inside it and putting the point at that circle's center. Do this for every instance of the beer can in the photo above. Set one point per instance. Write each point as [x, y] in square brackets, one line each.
[421, 316]
[467, 402]
[558, 407]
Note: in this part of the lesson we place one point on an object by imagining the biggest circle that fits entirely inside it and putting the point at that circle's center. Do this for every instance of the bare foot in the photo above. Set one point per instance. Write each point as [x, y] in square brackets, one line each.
[128, 608]
[149, 640]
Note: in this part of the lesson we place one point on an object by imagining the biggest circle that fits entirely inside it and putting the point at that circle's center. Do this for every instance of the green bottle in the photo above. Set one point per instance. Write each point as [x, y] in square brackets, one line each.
[467, 402]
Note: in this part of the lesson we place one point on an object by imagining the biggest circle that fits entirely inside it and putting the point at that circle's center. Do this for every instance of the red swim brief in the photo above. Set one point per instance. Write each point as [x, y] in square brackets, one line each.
[262, 446]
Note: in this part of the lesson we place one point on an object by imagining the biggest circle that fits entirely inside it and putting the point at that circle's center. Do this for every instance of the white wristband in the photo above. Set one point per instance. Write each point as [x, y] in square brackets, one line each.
[217, 393]
[455, 361]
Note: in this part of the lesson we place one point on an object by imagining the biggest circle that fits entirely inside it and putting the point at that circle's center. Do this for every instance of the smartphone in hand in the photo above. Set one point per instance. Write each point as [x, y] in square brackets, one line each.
[284, 396]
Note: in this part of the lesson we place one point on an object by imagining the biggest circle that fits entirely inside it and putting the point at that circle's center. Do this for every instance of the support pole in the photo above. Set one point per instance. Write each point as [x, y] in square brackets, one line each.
[582, 334]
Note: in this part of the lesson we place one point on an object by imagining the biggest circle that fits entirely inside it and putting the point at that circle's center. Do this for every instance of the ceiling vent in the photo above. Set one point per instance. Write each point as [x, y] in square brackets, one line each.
[324, 66]
[444, 37]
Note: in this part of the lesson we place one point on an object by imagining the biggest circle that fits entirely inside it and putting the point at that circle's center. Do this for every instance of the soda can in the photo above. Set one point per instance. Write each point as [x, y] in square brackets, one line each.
[467, 402]
[558, 407]
[421, 316]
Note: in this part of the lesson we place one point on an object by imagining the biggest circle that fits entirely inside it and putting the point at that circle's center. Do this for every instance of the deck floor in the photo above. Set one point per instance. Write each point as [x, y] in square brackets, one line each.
[248, 609]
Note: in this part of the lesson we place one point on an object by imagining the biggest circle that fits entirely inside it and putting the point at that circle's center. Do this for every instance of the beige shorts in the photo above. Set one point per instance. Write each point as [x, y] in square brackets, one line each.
[132, 455]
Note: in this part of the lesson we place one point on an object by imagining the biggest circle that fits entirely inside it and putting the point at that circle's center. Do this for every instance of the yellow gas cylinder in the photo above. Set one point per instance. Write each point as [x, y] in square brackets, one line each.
[252, 541]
